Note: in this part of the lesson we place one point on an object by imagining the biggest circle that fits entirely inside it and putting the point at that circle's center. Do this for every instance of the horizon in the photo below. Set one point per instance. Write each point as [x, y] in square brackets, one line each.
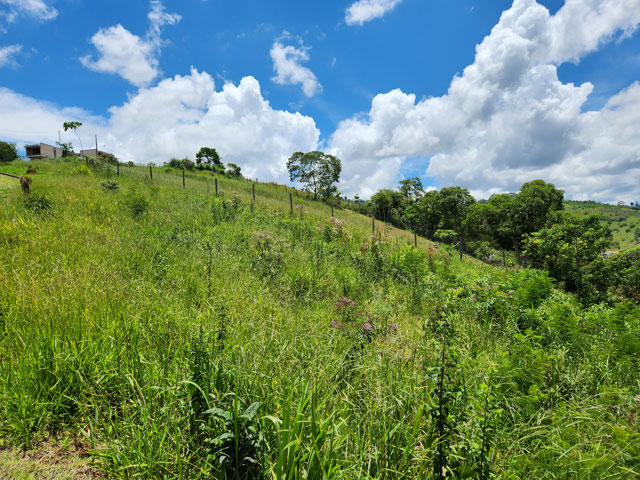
[523, 89]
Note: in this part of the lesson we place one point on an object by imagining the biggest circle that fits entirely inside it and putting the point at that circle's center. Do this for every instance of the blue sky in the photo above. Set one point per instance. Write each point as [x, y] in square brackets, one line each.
[360, 79]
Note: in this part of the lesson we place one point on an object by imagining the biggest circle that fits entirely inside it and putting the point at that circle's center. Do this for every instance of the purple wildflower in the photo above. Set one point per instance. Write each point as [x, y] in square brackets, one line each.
[394, 327]
[367, 327]
[345, 302]
[335, 324]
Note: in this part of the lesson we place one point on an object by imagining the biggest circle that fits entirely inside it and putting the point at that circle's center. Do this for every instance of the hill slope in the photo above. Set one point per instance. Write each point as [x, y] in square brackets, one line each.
[623, 221]
[179, 334]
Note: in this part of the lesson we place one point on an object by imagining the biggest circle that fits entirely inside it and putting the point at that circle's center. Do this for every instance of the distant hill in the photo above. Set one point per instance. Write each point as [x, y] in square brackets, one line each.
[624, 221]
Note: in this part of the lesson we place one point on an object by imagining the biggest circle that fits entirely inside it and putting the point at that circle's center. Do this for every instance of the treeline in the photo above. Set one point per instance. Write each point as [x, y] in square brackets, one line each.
[529, 226]
[206, 159]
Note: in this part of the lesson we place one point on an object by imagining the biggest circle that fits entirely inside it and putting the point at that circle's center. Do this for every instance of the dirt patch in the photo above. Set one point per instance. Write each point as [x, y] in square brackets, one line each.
[47, 462]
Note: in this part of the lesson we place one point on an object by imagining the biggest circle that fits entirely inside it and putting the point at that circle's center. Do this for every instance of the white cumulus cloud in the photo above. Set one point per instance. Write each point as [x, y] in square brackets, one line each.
[133, 58]
[364, 11]
[287, 60]
[8, 53]
[174, 119]
[10, 10]
[508, 118]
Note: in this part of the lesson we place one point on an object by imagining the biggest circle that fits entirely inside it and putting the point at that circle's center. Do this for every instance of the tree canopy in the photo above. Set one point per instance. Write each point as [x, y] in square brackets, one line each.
[318, 171]
[8, 152]
[208, 157]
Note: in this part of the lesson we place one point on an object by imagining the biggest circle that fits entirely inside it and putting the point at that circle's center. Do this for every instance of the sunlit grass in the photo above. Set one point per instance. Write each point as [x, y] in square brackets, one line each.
[147, 321]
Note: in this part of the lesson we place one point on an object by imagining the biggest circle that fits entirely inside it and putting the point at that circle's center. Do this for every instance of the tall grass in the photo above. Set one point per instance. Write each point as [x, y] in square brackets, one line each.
[183, 335]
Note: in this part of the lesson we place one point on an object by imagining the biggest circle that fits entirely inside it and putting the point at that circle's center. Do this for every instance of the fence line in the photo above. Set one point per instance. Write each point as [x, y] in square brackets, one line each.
[275, 196]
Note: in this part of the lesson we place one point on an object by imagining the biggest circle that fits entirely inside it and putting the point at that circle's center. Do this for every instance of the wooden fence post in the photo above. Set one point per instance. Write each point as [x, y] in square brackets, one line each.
[184, 185]
[253, 188]
[332, 210]
[291, 202]
[150, 172]
[373, 225]
[216, 187]
[118, 169]
[415, 239]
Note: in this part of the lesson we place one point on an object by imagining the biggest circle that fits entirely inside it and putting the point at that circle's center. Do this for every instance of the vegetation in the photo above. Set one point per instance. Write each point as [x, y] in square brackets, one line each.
[167, 332]
[529, 226]
[8, 152]
[318, 171]
[624, 221]
[207, 159]
[72, 126]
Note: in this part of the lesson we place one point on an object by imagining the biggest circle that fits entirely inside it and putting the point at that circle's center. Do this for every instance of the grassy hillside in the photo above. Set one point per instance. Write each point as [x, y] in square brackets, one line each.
[172, 333]
[624, 221]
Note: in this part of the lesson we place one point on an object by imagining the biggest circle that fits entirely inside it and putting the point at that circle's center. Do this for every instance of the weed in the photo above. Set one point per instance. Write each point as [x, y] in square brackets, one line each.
[39, 204]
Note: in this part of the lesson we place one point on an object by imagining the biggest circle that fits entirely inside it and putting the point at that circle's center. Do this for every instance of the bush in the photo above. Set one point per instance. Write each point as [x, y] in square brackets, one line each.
[137, 205]
[175, 163]
[82, 170]
[38, 203]
[99, 165]
[188, 164]
[8, 152]
[110, 185]
[531, 287]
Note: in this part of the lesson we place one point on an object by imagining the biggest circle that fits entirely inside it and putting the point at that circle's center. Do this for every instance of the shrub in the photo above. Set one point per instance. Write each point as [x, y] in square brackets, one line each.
[8, 152]
[38, 203]
[109, 185]
[531, 287]
[82, 170]
[175, 163]
[137, 205]
[188, 164]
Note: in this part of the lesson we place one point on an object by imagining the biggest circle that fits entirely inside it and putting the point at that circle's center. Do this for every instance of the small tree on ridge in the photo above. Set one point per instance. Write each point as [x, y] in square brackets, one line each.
[318, 171]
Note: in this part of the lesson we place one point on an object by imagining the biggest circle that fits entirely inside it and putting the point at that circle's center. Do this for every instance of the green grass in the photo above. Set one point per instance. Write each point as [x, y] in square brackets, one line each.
[623, 221]
[184, 335]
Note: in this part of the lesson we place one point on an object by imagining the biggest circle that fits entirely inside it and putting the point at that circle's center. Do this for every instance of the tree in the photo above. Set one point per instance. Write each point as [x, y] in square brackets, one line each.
[74, 126]
[422, 216]
[452, 205]
[388, 206]
[567, 247]
[8, 152]
[234, 170]
[411, 188]
[496, 221]
[188, 164]
[532, 210]
[67, 148]
[209, 157]
[318, 171]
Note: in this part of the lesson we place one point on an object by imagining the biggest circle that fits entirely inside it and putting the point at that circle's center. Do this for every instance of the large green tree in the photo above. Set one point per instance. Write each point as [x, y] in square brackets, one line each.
[451, 206]
[535, 202]
[317, 171]
[208, 158]
[532, 210]
[567, 247]
[422, 215]
[388, 205]
[8, 152]
[412, 188]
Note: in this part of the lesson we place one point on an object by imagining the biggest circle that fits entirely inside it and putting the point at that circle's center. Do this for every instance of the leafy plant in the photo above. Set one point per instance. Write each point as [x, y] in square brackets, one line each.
[38, 203]
[236, 444]
[137, 204]
[111, 186]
